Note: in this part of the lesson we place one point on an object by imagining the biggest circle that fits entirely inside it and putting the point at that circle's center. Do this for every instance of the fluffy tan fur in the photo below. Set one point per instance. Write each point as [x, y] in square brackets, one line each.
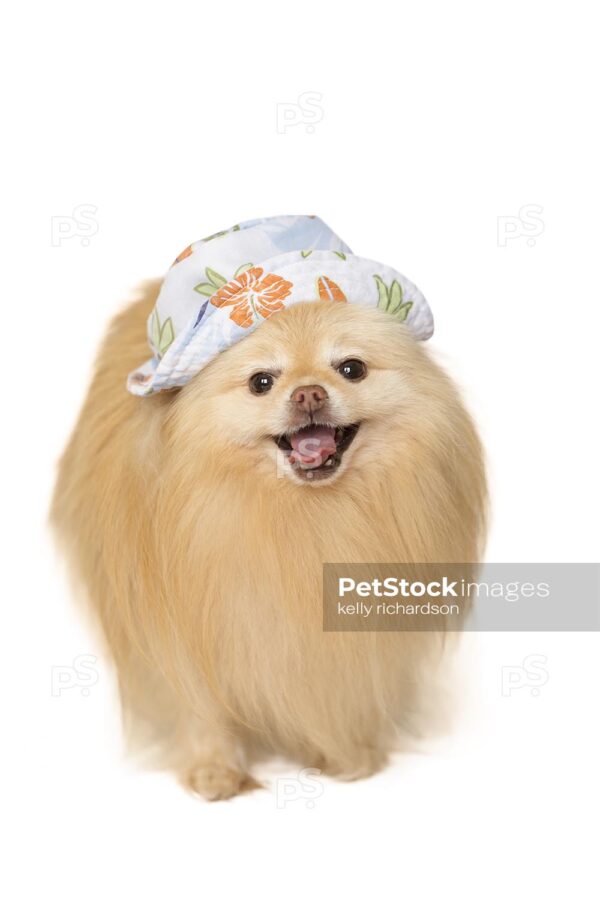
[203, 555]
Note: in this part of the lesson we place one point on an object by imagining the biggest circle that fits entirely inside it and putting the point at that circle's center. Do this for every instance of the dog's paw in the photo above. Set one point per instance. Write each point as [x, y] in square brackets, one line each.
[214, 781]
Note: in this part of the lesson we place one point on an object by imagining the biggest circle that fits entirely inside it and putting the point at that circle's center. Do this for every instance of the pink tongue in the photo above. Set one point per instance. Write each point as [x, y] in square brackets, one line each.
[312, 446]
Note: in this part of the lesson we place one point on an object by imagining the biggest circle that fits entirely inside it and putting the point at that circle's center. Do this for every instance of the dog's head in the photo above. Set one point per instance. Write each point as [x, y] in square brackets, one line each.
[319, 391]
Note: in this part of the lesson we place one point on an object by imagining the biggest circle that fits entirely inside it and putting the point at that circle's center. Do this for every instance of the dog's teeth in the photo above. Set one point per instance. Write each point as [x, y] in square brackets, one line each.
[329, 462]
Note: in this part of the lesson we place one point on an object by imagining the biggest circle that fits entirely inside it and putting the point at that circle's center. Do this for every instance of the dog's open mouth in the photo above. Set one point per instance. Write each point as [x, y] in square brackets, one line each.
[316, 451]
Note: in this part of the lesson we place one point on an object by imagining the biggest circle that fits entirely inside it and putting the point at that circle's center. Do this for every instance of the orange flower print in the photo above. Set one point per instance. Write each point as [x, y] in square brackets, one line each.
[183, 255]
[329, 290]
[251, 296]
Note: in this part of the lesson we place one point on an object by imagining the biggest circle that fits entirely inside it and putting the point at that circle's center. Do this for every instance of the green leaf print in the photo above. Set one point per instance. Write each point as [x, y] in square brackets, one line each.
[384, 300]
[395, 297]
[162, 335]
[219, 234]
[390, 299]
[215, 278]
[155, 330]
[404, 310]
[205, 288]
[340, 254]
[216, 281]
[167, 335]
[305, 253]
[211, 237]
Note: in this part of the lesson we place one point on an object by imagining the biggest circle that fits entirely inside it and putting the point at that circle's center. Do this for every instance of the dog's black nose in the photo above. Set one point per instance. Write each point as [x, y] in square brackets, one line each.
[309, 398]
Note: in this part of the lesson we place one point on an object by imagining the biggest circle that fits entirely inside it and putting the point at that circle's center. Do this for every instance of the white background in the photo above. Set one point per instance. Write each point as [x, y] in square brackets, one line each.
[434, 120]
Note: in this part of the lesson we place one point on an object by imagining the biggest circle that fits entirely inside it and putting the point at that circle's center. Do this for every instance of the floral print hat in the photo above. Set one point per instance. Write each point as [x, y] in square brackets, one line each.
[221, 288]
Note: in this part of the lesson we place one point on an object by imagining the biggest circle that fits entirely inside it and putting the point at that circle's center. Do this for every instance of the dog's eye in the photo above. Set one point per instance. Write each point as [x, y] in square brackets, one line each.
[261, 383]
[353, 369]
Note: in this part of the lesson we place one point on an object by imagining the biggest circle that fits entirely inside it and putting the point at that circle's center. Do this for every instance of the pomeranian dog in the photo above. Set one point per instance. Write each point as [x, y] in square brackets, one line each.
[199, 524]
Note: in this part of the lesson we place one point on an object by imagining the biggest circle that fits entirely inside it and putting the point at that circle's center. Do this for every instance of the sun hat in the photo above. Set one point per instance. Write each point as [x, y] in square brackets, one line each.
[221, 288]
